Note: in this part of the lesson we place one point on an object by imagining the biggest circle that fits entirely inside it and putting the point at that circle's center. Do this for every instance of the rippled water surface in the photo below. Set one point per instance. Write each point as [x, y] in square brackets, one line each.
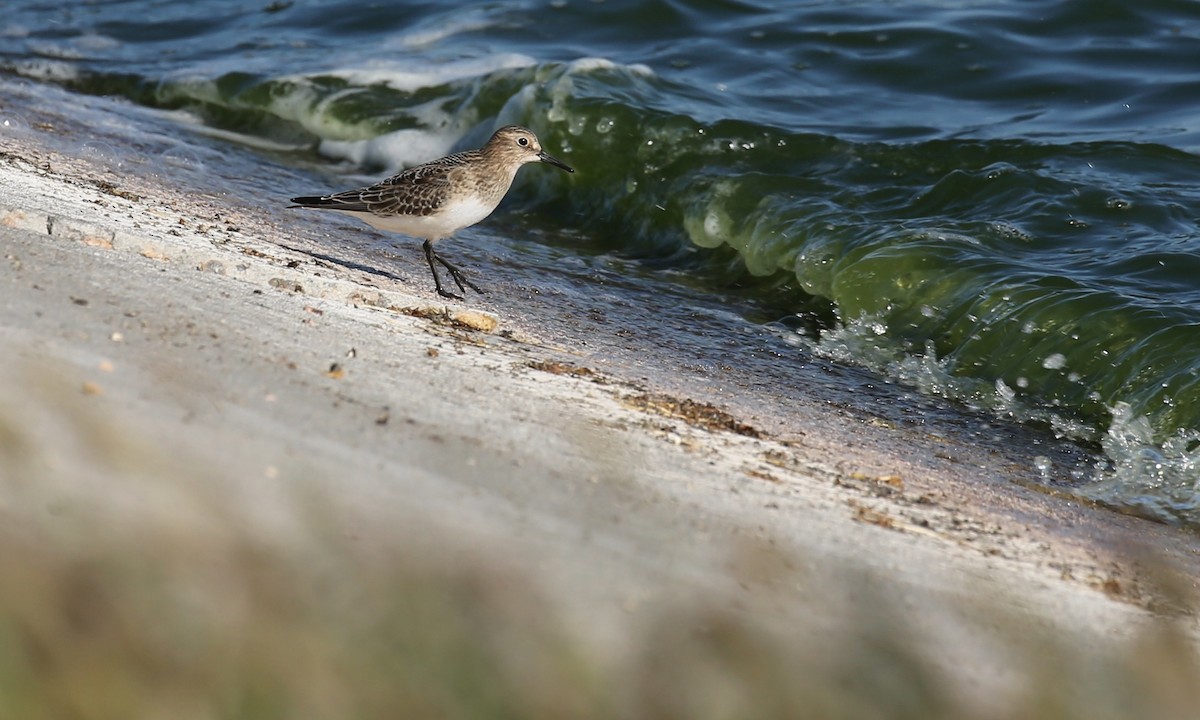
[993, 202]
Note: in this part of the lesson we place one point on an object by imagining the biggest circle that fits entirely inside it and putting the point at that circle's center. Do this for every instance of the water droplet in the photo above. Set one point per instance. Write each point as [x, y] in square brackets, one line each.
[1057, 361]
[11, 123]
[102, 152]
[1118, 203]
[604, 125]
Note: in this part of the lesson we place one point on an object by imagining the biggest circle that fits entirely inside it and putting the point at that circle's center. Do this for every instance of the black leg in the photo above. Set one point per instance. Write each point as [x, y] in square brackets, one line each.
[458, 275]
[430, 255]
[460, 279]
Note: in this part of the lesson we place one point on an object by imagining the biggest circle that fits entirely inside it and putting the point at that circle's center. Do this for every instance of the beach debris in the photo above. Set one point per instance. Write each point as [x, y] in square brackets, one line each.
[469, 319]
[370, 299]
[555, 367]
[284, 284]
[475, 320]
[762, 475]
[109, 188]
[153, 253]
[697, 414]
[865, 514]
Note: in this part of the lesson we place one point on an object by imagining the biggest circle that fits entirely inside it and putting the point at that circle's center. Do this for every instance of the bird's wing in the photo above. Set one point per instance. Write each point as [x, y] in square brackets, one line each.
[419, 190]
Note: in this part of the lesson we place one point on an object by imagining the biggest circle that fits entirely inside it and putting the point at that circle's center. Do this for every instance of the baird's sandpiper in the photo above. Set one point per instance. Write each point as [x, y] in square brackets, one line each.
[437, 199]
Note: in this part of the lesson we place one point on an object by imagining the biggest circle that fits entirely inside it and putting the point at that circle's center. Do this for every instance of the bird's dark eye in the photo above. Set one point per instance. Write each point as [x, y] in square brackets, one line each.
[522, 141]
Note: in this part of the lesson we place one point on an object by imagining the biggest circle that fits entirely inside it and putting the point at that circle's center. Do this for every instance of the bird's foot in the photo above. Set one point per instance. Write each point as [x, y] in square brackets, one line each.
[462, 280]
[447, 294]
[459, 278]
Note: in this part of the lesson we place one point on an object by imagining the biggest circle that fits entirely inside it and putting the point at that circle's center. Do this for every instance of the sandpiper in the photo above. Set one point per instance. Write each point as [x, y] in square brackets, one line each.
[437, 199]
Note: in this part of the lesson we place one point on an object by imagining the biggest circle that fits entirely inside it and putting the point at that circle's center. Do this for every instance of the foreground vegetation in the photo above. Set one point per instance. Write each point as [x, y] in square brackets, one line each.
[128, 590]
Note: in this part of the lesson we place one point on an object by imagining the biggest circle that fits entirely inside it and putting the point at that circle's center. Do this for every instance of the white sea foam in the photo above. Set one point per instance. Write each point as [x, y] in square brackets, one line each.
[52, 71]
[1141, 469]
[863, 342]
[55, 49]
[408, 75]
[439, 130]
[197, 125]
[394, 150]
[306, 107]
[1149, 473]
[353, 141]
[589, 64]
[75, 48]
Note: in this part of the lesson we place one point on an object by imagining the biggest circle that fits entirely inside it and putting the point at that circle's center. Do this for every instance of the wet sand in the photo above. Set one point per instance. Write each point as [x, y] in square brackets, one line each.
[239, 343]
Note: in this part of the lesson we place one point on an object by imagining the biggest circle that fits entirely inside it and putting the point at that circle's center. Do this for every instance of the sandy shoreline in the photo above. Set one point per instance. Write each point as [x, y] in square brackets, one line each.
[222, 335]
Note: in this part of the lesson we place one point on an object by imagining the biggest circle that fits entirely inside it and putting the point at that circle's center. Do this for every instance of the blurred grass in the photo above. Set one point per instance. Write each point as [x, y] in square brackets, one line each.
[189, 610]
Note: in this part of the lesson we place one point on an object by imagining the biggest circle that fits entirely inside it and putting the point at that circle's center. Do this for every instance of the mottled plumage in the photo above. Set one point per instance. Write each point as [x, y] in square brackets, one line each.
[434, 200]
